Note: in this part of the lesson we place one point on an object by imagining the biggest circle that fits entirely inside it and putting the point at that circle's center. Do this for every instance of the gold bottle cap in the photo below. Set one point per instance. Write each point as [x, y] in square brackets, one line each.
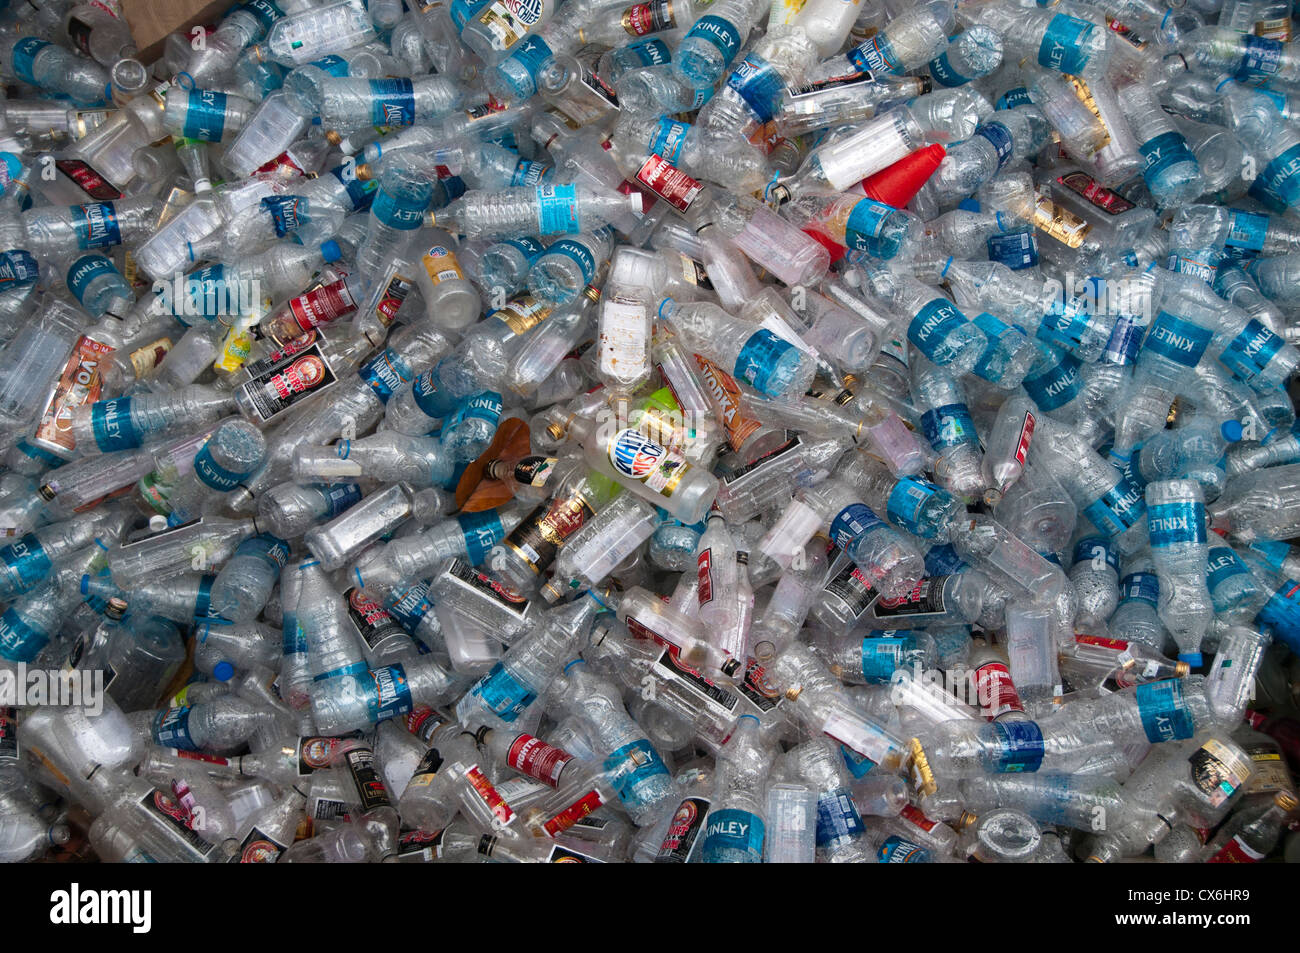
[793, 692]
[967, 819]
[332, 137]
[364, 172]
[1181, 669]
[1285, 800]
[556, 431]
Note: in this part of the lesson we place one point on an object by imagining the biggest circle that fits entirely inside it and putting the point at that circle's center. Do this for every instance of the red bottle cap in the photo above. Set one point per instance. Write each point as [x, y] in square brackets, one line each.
[899, 183]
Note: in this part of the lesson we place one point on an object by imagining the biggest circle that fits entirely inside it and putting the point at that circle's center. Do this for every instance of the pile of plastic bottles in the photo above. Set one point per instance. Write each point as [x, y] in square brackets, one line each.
[522, 431]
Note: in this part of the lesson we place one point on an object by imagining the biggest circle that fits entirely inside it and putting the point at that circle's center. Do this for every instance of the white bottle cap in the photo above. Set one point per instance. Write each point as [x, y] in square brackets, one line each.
[790, 533]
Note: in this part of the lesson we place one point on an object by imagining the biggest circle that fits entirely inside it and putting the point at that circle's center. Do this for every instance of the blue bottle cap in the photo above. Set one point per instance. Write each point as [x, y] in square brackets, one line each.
[223, 671]
[331, 251]
[1232, 430]
[1193, 659]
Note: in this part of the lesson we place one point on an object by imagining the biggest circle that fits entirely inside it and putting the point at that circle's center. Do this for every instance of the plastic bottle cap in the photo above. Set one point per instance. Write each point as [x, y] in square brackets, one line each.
[660, 311]
[85, 585]
[223, 671]
[331, 251]
[576, 661]
[753, 718]
[1232, 430]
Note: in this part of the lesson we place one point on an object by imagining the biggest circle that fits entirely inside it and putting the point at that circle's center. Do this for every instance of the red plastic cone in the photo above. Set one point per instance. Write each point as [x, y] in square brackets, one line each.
[899, 183]
[835, 248]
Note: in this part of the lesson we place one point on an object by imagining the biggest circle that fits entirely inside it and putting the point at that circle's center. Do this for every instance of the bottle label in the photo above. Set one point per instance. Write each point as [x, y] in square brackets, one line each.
[96, 225]
[1065, 323]
[1063, 47]
[1125, 341]
[999, 137]
[994, 329]
[175, 822]
[1091, 548]
[1170, 524]
[1261, 57]
[875, 55]
[534, 471]
[906, 501]
[646, 18]
[1237, 851]
[1249, 353]
[1165, 150]
[668, 182]
[669, 139]
[1100, 197]
[524, 64]
[704, 576]
[710, 694]
[943, 73]
[389, 210]
[410, 606]
[1282, 611]
[995, 691]
[1280, 180]
[580, 809]
[84, 271]
[944, 561]
[17, 269]
[385, 373]
[1218, 771]
[171, 729]
[759, 359]
[557, 209]
[1118, 509]
[631, 766]
[88, 179]
[504, 695]
[1018, 250]
[539, 536]
[683, 831]
[1056, 386]
[1222, 564]
[735, 830]
[851, 522]
[284, 384]
[864, 224]
[24, 58]
[931, 327]
[370, 788]
[1019, 96]
[719, 32]
[484, 587]
[651, 52]
[895, 850]
[757, 82]
[205, 115]
[214, 474]
[482, 531]
[371, 620]
[25, 563]
[881, 655]
[537, 759]
[1164, 711]
[948, 426]
[506, 22]
[392, 695]
[638, 458]
[1247, 230]
[20, 642]
[578, 253]
[725, 393]
[79, 384]
[837, 819]
[1020, 746]
[322, 304]
[258, 847]
[485, 406]
[924, 598]
[441, 264]
[852, 587]
[360, 193]
[1143, 586]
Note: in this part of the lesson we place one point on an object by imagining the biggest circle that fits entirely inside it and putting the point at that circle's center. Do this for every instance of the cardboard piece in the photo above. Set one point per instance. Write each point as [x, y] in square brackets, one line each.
[151, 20]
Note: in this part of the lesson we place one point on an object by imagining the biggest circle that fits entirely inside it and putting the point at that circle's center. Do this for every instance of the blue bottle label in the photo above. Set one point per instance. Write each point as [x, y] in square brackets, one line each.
[390, 211]
[85, 270]
[859, 765]
[1056, 386]
[579, 254]
[203, 602]
[944, 561]
[525, 63]
[930, 329]
[1118, 509]
[631, 766]
[214, 474]
[1261, 57]
[288, 213]
[270, 550]
[875, 55]
[1247, 230]
[1020, 746]
[484, 406]
[1164, 711]
[425, 392]
[24, 58]
[758, 83]
[999, 137]
[1090, 548]
[384, 373]
[1170, 524]
[392, 102]
[391, 696]
[881, 655]
[1177, 340]
[864, 224]
[96, 225]
[410, 606]
[205, 115]
[1282, 613]
[1019, 96]
[110, 421]
[1249, 353]
[482, 531]
[1279, 183]
[948, 426]
[1063, 45]
[504, 695]
[895, 850]
[851, 522]
[361, 194]
[528, 172]
[759, 358]
[20, 642]
[837, 819]
[266, 11]
[993, 328]
[721, 33]
[339, 497]
[1016, 250]
[943, 73]
[1065, 324]
[651, 52]
[1273, 551]
[669, 139]
[1142, 586]
[1162, 152]
[557, 209]
[171, 729]
[734, 830]
[336, 66]
[1221, 565]
[906, 500]
[17, 268]
[1125, 341]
